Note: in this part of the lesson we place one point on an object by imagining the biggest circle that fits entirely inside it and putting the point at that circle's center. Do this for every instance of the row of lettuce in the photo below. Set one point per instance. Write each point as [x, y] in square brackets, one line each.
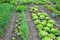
[6, 11]
[45, 26]
[26, 1]
[21, 26]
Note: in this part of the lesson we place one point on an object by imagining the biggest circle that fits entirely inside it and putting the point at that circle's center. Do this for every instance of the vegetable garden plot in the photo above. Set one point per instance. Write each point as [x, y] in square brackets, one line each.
[31, 23]
[56, 19]
[21, 29]
[44, 25]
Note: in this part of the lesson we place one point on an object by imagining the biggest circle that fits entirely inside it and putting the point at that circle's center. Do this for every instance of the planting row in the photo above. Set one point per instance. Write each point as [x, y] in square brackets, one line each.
[45, 26]
[21, 25]
[53, 9]
[17, 28]
[25, 1]
[6, 11]
[9, 1]
[34, 2]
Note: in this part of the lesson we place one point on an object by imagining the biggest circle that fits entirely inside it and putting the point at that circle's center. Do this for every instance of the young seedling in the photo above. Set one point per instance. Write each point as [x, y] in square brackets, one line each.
[13, 38]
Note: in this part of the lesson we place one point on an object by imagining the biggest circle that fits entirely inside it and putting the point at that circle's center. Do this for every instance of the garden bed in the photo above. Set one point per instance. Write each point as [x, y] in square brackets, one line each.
[25, 28]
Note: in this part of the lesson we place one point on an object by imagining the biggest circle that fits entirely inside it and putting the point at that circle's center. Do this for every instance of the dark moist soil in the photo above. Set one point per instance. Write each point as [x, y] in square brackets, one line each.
[33, 33]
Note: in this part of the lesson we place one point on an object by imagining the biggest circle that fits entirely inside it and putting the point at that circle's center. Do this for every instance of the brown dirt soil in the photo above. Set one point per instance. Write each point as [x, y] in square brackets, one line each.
[33, 33]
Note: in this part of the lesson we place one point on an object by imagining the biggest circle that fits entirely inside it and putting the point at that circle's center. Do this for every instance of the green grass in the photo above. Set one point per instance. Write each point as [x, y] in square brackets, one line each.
[6, 11]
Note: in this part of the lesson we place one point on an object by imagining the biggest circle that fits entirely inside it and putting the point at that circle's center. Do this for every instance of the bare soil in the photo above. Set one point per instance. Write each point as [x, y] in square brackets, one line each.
[33, 33]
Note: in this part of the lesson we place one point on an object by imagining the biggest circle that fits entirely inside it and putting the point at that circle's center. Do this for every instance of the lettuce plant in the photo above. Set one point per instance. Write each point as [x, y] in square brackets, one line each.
[55, 31]
[34, 9]
[47, 18]
[13, 38]
[51, 21]
[46, 38]
[44, 22]
[35, 17]
[58, 38]
[49, 25]
[33, 14]
[46, 28]
[38, 14]
[37, 21]
[42, 16]
[39, 26]
[43, 33]
[52, 36]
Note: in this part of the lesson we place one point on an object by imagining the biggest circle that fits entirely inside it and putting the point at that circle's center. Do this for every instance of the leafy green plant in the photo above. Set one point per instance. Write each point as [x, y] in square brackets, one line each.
[6, 11]
[46, 38]
[46, 28]
[14, 2]
[42, 16]
[38, 13]
[55, 31]
[43, 33]
[39, 26]
[34, 9]
[21, 8]
[34, 16]
[44, 22]
[47, 18]
[58, 38]
[51, 21]
[52, 36]
[50, 25]
[37, 22]
[13, 38]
